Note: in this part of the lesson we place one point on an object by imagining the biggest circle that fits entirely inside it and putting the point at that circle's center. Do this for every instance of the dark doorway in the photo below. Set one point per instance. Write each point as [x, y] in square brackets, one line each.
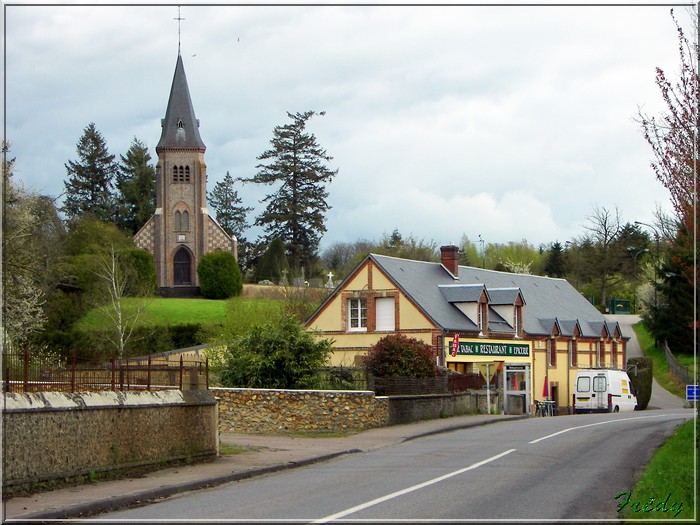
[182, 267]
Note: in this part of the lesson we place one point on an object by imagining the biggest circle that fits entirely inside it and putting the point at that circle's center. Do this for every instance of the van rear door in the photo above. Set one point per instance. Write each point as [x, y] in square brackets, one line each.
[600, 390]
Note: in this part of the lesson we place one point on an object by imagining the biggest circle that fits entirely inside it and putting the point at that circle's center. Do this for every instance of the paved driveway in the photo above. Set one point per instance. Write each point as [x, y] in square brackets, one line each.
[660, 397]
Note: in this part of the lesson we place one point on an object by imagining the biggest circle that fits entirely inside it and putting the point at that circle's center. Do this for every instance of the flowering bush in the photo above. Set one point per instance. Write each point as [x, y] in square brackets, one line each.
[398, 355]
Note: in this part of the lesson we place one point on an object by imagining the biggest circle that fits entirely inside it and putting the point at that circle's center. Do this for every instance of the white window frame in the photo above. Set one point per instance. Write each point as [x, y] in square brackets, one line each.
[357, 311]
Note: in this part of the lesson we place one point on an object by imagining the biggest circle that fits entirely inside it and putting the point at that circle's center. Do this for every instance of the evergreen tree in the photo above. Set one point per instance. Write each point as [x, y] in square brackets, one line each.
[229, 213]
[273, 263]
[136, 187]
[555, 265]
[90, 179]
[295, 212]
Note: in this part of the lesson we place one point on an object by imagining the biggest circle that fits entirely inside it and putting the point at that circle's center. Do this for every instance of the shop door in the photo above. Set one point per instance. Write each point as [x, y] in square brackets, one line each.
[517, 387]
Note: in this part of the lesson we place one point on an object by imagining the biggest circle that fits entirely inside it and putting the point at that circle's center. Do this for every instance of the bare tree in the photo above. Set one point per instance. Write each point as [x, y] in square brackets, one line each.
[604, 226]
[115, 278]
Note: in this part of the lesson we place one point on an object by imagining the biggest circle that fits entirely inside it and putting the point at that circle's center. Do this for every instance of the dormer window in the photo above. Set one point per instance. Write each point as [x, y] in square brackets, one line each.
[180, 124]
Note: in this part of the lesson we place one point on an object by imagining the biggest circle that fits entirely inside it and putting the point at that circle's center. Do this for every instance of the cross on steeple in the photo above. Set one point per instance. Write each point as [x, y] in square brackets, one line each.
[179, 19]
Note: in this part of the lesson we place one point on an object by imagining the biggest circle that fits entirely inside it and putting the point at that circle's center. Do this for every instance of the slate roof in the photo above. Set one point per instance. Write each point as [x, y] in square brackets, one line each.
[180, 125]
[547, 300]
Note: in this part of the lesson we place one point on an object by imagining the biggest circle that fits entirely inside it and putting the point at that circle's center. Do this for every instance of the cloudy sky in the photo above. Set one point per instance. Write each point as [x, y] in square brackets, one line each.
[507, 122]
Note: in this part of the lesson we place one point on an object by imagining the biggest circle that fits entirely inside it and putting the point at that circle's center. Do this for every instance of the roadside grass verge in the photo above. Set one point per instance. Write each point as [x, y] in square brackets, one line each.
[661, 372]
[666, 490]
[229, 450]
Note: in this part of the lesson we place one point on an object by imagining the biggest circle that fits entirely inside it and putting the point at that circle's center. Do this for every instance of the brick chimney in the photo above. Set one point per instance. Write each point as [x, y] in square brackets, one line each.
[449, 257]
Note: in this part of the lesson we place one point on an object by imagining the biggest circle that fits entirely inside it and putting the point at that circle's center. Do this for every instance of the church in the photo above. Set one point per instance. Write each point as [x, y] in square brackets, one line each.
[181, 229]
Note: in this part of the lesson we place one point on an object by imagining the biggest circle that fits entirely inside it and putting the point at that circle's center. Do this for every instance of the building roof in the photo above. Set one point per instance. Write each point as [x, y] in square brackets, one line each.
[547, 300]
[180, 125]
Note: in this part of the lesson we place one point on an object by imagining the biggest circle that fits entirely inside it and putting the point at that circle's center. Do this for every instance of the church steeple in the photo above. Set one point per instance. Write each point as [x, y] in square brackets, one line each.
[180, 125]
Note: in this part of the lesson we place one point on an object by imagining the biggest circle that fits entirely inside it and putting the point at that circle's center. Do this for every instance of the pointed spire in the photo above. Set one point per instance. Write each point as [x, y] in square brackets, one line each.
[180, 125]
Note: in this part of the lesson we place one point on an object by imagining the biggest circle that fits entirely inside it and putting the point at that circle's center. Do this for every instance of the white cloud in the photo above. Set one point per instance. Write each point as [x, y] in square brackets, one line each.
[522, 114]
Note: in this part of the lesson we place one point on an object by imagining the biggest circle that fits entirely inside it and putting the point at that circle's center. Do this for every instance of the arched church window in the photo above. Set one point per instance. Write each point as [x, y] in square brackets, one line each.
[174, 173]
[182, 221]
[180, 124]
[187, 173]
[181, 174]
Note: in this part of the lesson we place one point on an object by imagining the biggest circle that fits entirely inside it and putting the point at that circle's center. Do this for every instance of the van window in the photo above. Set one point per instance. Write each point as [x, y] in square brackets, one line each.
[583, 384]
[599, 384]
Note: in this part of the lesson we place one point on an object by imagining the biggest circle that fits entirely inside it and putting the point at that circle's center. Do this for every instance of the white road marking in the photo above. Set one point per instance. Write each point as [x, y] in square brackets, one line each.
[377, 501]
[593, 425]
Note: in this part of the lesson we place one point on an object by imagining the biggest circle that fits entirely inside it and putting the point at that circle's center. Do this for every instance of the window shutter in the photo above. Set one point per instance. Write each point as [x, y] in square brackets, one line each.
[385, 314]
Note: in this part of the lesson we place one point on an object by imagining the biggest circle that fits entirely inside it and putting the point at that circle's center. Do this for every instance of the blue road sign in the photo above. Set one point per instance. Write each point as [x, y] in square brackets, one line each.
[691, 392]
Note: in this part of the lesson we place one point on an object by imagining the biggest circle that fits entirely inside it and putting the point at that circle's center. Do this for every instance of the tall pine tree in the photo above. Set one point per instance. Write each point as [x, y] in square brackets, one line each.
[90, 179]
[295, 212]
[555, 265]
[229, 213]
[232, 217]
[136, 187]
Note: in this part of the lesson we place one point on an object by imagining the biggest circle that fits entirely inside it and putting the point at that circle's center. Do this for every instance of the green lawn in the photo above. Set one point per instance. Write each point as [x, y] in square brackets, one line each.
[666, 489]
[161, 311]
[171, 311]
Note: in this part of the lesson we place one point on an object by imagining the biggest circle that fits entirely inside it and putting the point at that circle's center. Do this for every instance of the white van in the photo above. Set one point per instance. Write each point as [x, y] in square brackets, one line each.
[603, 390]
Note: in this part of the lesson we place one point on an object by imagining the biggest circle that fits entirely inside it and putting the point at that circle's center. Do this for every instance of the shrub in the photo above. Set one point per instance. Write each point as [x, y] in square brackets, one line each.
[398, 355]
[641, 379]
[142, 272]
[276, 355]
[219, 276]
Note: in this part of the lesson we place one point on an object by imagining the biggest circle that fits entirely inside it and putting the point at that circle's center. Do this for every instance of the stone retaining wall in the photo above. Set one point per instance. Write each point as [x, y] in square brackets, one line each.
[49, 437]
[323, 411]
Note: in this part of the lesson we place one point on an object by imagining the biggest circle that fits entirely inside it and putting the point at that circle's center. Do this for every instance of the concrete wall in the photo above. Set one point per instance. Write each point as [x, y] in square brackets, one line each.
[262, 410]
[407, 409]
[54, 436]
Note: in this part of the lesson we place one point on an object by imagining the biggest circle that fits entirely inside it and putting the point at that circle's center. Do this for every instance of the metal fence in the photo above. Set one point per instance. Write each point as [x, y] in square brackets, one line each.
[443, 384]
[25, 372]
[680, 372]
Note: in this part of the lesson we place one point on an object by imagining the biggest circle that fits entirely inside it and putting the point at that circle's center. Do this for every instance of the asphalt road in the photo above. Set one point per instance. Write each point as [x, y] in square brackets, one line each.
[660, 397]
[568, 467]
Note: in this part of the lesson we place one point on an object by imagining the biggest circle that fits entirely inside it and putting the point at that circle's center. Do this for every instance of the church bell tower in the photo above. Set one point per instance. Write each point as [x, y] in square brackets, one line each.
[181, 230]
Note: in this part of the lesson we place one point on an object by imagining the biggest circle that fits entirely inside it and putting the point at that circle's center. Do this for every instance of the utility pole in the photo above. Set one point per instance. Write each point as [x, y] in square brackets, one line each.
[656, 265]
[634, 290]
[656, 270]
[483, 252]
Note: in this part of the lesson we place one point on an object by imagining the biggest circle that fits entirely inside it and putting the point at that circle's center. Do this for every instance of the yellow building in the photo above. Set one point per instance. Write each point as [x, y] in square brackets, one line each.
[533, 332]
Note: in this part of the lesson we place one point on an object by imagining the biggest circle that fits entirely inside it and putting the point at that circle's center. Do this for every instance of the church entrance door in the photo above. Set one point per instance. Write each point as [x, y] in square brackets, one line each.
[182, 267]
